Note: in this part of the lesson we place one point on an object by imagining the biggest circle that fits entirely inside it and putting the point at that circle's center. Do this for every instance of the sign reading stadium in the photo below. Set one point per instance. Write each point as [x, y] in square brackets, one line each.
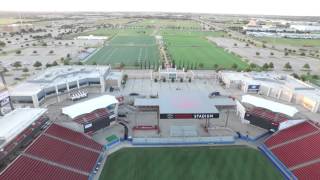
[189, 116]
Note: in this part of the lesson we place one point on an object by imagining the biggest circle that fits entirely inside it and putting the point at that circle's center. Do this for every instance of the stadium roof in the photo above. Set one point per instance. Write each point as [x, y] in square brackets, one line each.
[16, 121]
[185, 103]
[271, 105]
[89, 106]
[58, 75]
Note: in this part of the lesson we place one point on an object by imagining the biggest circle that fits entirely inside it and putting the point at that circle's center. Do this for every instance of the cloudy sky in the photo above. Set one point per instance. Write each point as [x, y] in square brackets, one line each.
[269, 7]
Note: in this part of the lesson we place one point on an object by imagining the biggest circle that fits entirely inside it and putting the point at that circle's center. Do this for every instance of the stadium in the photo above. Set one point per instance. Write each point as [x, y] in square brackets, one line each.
[175, 134]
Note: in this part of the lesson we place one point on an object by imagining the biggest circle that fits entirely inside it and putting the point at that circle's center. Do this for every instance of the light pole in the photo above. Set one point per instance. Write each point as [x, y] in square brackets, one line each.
[5, 85]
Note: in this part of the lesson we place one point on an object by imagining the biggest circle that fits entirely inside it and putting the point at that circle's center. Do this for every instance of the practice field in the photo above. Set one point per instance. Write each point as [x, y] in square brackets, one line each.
[195, 49]
[169, 23]
[189, 163]
[129, 50]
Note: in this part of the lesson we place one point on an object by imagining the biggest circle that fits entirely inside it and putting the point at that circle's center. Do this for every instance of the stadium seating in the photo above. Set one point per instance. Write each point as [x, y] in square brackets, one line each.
[291, 133]
[268, 115]
[76, 137]
[89, 117]
[308, 172]
[59, 153]
[300, 151]
[298, 148]
[63, 153]
[29, 169]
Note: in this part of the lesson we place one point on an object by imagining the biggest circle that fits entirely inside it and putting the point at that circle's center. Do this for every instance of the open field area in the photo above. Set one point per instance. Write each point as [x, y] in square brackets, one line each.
[5, 21]
[169, 23]
[120, 32]
[200, 163]
[291, 42]
[278, 58]
[195, 49]
[129, 50]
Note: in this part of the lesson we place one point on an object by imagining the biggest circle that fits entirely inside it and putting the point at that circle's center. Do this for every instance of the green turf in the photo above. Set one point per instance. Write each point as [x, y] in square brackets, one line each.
[169, 23]
[129, 50]
[189, 163]
[111, 138]
[292, 42]
[195, 49]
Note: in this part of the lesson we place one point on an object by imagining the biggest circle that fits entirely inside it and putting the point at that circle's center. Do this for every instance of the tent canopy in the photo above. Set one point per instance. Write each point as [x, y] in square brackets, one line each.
[271, 105]
[89, 106]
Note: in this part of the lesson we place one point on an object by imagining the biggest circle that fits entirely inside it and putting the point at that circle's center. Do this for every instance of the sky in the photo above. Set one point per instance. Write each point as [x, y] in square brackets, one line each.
[265, 7]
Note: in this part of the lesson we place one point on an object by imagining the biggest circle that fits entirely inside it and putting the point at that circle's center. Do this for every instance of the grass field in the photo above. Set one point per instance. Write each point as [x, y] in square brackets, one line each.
[189, 163]
[292, 42]
[5, 21]
[195, 49]
[129, 50]
[169, 23]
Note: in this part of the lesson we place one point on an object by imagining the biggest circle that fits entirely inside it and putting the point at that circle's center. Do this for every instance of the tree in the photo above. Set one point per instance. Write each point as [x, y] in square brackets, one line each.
[201, 65]
[287, 66]
[271, 66]
[17, 64]
[252, 65]
[2, 44]
[94, 63]
[247, 45]
[234, 66]
[35, 52]
[235, 44]
[295, 75]
[18, 52]
[286, 53]
[257, 53]
[51, 52]
[25, 70]
[265, 66]
[306, 66]
[54, 63]
[215, 66]
[264, 46]
[271, 53]
[37, 64]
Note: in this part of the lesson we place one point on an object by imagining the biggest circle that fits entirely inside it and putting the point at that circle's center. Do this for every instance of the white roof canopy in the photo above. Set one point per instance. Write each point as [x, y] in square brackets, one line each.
[89, 106]
[271, 105]
[18, 120]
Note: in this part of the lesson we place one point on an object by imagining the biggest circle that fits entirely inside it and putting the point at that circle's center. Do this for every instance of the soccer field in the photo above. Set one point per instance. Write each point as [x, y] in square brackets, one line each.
[189, 163]
[193, 49]
[129, 50]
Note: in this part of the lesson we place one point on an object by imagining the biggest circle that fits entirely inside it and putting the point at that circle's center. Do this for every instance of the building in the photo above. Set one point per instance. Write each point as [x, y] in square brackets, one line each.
[61, 80]
[279, 86]
[184, 105]
[93, 114]
[18, 128]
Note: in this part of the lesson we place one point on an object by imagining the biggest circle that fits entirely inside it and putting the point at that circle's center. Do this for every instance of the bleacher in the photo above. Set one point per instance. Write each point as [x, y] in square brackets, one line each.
[59, 153]
[30, 169]
[79, 138]
[308, 172]
[297, 149]
[291, 133]
[89, 117]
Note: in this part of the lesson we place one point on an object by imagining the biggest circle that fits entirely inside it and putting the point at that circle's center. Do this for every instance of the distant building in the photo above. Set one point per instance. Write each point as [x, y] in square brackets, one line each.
[279, 86]
[60, 80]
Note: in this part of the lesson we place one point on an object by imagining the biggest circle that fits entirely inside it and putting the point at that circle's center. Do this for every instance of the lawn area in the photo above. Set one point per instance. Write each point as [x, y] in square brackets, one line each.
[189, 163]
[169, 23]
[119, 32]
[5, 21]
[132, 51]
[196, 49]
[292, 42]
